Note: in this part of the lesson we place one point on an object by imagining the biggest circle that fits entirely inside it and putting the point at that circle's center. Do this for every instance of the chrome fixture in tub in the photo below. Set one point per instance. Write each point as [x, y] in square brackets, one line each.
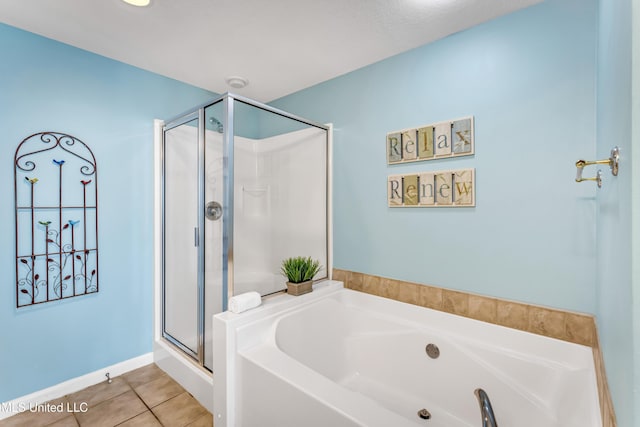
[486, 411]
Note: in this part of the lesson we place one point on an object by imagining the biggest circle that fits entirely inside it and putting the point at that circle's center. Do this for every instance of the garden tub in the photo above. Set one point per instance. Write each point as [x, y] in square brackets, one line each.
[337, 357]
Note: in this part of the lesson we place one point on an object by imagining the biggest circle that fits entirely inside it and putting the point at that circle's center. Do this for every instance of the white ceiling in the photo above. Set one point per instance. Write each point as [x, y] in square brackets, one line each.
[280, 46]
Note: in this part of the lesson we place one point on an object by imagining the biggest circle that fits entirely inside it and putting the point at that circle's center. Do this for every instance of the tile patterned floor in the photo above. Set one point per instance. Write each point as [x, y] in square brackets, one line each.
[146, 397]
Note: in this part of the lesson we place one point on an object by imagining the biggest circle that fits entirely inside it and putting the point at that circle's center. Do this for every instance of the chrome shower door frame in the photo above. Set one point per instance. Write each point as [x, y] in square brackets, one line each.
[198, 113]
[198, 235]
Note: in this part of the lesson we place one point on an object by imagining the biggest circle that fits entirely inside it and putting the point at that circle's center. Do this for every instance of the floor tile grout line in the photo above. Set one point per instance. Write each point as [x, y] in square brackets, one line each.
[107, 400]
[111, 398]
[73, 414]
[148, 382]
[158, 404]
[141, 399]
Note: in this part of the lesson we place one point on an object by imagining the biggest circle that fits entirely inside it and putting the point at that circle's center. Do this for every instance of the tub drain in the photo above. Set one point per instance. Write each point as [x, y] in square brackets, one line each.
[424, 414]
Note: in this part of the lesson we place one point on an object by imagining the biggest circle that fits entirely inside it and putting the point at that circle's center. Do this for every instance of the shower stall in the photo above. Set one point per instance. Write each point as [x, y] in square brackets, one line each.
[240, 187]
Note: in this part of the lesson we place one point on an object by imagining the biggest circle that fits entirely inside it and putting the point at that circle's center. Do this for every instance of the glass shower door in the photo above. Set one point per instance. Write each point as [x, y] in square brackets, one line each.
[180, 183]
[193, 229]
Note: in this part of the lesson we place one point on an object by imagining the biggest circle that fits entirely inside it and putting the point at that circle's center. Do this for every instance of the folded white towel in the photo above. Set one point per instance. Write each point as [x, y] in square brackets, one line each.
[244, 302]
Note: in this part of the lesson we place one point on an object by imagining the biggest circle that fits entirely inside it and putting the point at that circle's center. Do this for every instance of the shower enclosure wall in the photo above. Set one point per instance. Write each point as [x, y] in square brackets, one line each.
[242, 186]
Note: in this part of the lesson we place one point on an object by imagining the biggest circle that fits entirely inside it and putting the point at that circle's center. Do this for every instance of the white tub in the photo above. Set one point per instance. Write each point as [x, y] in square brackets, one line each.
[337, 357]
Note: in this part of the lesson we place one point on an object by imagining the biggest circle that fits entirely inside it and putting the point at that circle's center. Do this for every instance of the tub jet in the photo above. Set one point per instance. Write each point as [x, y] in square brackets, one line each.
[432, 351]
[424, 414]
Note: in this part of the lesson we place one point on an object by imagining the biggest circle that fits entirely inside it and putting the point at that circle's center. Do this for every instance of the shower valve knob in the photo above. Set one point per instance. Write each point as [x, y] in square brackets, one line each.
[213, 211]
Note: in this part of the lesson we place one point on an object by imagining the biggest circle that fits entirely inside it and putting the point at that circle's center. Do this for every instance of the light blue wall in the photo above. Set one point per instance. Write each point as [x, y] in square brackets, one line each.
[529, 80]
[614, 220]
[48, 86]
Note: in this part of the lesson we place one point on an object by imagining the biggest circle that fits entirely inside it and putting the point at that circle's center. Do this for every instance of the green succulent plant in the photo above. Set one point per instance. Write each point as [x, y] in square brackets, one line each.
[300, 269]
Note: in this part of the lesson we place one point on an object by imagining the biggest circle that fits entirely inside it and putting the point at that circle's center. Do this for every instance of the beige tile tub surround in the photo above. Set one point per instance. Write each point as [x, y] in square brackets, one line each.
[564, 325]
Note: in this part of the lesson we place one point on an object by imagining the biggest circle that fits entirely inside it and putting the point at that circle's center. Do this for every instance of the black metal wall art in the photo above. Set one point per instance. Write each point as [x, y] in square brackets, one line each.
[56, 200]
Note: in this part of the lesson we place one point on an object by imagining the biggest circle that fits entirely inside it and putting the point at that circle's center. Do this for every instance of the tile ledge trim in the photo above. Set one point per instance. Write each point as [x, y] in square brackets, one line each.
[345, 276]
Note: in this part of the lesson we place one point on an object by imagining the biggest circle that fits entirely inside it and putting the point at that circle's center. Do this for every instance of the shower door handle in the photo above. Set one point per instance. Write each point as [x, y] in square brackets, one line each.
[196, 237]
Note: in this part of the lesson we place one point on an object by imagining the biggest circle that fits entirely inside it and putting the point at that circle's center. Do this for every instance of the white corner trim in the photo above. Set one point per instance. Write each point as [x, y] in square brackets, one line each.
[330, 201]
[157, 228]
[20, 404]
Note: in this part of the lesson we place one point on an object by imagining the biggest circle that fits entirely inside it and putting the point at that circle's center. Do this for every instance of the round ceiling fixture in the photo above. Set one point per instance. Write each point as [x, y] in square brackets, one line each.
[138, 3]
[236, 81]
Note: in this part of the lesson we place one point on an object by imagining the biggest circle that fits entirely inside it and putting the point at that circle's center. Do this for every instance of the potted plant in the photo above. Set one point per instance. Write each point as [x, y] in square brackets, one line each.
[300, 271]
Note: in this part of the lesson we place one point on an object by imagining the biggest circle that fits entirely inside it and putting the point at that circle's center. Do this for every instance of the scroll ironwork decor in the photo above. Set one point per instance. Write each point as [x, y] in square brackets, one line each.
[56, 201]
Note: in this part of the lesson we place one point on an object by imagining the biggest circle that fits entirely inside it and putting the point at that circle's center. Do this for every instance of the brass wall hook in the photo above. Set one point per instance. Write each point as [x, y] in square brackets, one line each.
[612, 161]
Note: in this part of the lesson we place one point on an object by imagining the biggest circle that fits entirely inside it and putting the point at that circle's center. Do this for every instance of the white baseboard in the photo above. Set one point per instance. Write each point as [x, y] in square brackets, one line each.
[13, 407]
